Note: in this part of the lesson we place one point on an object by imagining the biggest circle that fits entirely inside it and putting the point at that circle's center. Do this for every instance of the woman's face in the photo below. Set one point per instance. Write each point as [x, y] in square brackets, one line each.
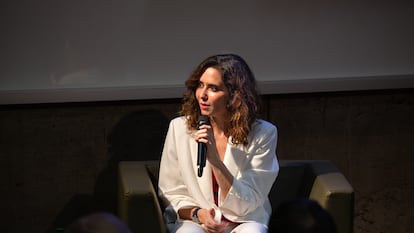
[212, 95]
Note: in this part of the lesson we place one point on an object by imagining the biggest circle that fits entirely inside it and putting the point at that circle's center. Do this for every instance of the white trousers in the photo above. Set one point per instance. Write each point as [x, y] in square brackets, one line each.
[188, 226]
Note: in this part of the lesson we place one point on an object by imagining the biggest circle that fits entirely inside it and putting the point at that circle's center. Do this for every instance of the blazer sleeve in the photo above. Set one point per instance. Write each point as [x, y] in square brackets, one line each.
[172, 190]
[252, 184]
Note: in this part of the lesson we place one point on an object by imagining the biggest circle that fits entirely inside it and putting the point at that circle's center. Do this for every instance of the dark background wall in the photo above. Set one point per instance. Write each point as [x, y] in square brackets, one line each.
[58, 161]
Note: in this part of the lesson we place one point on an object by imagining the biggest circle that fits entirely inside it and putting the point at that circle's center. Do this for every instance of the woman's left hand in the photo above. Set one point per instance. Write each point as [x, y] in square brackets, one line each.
[210, 225]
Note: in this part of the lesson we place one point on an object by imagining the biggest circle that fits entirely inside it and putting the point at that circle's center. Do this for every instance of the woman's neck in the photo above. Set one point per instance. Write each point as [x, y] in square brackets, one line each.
[220, 126]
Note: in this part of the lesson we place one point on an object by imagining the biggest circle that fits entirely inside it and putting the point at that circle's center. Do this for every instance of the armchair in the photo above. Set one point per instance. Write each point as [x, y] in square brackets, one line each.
[320, 180]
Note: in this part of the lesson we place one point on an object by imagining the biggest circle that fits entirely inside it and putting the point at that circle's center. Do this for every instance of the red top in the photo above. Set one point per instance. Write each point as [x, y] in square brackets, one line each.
[215, 193]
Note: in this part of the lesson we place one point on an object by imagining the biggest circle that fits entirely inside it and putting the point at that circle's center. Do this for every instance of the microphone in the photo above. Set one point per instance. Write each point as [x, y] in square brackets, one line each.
[202, 149]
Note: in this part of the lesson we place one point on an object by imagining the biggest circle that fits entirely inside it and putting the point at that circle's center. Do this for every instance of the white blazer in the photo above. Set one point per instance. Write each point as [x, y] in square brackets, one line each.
[254, 167]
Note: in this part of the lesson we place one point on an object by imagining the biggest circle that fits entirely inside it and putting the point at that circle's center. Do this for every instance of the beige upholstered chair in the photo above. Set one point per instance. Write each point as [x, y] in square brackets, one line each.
[320, 180]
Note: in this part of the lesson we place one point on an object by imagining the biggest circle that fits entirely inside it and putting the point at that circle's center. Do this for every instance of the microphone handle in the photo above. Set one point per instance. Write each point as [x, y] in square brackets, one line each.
[201, 158]
[199, 154]
[202, 149]
[200, 171]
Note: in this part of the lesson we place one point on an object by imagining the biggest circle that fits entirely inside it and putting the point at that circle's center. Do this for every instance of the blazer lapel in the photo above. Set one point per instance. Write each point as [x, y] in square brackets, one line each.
[205, 181]
[234, 158]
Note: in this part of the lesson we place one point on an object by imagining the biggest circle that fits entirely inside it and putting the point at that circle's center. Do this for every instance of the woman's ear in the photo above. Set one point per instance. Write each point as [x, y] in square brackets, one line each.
[236, 101]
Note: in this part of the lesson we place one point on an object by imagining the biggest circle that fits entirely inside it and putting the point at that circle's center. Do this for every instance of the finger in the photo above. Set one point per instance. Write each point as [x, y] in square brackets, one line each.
[201, 136]
[213, 230]
[209, 226]
[206, 127]
[215, 227]
[212, 212]
[203, 140]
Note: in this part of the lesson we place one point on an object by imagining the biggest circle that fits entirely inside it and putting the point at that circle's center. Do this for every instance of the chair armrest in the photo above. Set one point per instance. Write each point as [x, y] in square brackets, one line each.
[138, 204]
[334, 193]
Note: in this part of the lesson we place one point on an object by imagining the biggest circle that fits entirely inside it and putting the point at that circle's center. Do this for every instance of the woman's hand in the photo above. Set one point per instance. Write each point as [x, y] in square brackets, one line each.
[223, 176]
[205, 135]
[206, 217]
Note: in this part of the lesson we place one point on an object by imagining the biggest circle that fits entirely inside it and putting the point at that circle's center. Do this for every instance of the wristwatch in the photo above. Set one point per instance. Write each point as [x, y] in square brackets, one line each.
[194, 217]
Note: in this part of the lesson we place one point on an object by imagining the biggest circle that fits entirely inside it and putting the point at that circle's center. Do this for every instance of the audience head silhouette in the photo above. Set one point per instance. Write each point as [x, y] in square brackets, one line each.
[302, 216]
[98, 223]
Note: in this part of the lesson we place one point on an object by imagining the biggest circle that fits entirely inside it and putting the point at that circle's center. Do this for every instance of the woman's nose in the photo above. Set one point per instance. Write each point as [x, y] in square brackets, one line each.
[203, 94]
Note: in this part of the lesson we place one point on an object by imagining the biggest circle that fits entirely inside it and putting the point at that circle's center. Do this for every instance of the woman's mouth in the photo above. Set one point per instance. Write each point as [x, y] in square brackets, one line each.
[204, 106]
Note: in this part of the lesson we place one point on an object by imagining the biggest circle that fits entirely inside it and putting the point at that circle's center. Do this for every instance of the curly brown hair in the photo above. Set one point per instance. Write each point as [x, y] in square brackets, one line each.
[241, 84]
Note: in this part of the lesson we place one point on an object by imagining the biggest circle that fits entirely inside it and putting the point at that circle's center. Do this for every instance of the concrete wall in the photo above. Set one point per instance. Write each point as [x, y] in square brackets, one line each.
[58, 161]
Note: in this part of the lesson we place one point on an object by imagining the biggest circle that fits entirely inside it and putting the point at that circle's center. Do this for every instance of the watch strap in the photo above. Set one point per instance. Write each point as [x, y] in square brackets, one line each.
[194, 216]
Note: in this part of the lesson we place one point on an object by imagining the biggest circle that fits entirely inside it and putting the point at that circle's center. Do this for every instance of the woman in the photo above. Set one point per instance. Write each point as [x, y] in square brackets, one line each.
[232, 193]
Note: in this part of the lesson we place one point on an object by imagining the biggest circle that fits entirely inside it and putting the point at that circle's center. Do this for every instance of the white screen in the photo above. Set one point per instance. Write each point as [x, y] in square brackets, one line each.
[81, 46]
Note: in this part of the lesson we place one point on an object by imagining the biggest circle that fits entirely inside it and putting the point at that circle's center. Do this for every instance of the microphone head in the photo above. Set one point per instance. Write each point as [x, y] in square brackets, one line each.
[203, 120]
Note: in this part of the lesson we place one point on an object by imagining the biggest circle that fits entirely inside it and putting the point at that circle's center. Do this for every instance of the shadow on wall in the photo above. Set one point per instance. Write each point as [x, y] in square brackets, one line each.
[137, 136]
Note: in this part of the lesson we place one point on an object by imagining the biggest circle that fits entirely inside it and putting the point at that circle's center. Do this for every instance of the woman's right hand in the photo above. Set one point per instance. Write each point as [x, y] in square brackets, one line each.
[205, 135]
[210, 225]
